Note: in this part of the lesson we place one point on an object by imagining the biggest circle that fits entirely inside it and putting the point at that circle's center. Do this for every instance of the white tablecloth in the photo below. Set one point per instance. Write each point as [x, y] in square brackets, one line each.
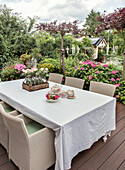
[78, 123]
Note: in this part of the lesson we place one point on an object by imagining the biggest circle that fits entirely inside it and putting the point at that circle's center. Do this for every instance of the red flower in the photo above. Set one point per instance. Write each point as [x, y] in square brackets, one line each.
[11, 66]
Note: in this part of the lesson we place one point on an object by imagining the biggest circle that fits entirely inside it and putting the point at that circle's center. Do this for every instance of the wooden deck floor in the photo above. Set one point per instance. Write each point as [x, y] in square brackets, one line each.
[101, 156]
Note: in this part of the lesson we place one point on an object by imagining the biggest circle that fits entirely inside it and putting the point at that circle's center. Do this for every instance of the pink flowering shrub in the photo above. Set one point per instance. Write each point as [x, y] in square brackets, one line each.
[120, 92]
[19, 68]
[12, 73]
[94, 71]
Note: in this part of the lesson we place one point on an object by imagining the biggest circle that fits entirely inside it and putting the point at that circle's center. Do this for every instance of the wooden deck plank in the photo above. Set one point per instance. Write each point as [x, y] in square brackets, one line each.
[119, 107]
[117, 158]
[122, 166]
[3, 159]
[120, 115]
[2, 150]
[8, 166]
[105, 152]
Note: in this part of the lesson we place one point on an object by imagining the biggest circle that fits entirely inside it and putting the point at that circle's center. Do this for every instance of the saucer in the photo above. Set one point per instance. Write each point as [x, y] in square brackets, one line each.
[69, 97]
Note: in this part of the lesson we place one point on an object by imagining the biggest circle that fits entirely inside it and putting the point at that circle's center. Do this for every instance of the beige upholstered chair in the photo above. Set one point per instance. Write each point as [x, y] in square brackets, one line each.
[31, 145]
[102, 88]
[75, 82]
[5, 109]
[57, 78]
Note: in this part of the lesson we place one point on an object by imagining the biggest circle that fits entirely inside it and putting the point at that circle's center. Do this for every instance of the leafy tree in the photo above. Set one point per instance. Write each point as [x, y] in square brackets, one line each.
[91, 23]
[62, 29]
[15, 35]
[111, 21]
[86, 42]
[45, 43]
[118, 41]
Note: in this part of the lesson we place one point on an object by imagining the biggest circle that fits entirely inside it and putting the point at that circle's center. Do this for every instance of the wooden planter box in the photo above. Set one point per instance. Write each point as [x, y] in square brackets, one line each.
[37, 87]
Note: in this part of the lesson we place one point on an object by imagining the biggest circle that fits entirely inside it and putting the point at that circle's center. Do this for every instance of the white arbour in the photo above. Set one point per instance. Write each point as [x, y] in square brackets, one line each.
[75, 50]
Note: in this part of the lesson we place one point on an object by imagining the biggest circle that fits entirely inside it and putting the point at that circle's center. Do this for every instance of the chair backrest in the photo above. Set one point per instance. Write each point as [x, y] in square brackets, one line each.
[75, 82]
[3, 129]
[2, 120]
[102, 88]
[57, 78]
[17, 130]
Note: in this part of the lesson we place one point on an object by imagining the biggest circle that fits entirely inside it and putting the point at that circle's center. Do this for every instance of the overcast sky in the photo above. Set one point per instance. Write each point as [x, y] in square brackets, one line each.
[49, 10]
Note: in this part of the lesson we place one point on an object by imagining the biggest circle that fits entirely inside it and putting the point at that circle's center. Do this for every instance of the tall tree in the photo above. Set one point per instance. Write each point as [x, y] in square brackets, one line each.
[15, 35]
[91, 23]
[111, 21]
[62, 29]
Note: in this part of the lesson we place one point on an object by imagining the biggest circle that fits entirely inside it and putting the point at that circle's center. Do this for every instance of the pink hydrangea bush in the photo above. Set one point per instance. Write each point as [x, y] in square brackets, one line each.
[94, 71]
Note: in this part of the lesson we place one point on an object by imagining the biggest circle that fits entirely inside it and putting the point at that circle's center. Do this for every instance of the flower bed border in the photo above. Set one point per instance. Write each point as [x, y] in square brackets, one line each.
[31, 88]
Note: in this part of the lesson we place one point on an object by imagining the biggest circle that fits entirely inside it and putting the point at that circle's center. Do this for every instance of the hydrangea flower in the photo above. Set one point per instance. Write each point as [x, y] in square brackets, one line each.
[117, 85]
[112, 79]
[82, 68]
[118, 79]
[117, 71]
[90, 77]
[105, 65]
[93, 65]
[97, 71]
[113, 72]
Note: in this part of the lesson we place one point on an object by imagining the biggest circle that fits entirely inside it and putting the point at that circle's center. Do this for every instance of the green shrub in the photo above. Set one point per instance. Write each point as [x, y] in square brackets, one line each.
[8, 74]
[83, 57]
[46, 65]
[54, 62]
[120, 92]
[25, 57]
[69, 63]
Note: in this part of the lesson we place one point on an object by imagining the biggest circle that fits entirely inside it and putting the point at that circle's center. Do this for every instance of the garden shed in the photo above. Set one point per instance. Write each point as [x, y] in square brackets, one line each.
[98, 43]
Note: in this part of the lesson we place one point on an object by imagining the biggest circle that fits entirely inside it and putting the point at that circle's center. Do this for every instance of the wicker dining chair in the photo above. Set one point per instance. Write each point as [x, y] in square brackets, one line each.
[102, 88]
[31, 145]
[75, 82]
[57, 78]
[4, 136]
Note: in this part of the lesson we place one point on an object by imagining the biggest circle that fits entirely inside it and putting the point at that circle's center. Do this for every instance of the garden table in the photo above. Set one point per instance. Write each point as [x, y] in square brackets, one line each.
[77, 123]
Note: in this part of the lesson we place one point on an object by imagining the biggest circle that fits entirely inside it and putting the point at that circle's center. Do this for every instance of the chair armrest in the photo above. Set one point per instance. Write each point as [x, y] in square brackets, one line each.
[15, 113]
[5, 105]
[41, 134]
[25, 119]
